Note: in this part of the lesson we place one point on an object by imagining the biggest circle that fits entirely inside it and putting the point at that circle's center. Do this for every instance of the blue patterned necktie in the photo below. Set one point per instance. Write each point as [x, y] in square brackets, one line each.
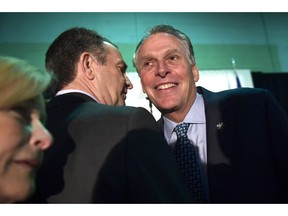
[188, 163]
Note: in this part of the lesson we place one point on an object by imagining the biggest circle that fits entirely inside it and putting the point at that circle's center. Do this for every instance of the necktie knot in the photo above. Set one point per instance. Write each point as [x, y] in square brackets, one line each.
[181, 129]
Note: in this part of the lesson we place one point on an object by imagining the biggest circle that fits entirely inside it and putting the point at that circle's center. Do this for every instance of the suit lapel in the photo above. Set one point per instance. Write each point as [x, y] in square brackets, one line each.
[219, 139]
[216, 127]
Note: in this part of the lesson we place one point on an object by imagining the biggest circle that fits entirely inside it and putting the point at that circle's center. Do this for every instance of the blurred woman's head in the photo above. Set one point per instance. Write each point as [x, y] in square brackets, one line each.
[23, 138]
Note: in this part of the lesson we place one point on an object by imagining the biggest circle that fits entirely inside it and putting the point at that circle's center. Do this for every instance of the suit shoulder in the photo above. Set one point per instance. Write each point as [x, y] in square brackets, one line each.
[126, 110]
[237, 96]
[139, 114]
[244, 93]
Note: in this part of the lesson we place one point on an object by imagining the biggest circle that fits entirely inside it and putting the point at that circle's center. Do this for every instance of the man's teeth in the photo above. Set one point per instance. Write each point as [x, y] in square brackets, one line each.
[166, 86]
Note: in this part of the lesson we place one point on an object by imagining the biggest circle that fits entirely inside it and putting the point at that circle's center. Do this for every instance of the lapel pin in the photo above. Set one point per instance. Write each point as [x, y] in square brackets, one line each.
[220, 125]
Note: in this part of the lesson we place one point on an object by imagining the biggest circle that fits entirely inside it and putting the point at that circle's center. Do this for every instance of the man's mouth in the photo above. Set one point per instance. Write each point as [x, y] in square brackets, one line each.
[166, 86]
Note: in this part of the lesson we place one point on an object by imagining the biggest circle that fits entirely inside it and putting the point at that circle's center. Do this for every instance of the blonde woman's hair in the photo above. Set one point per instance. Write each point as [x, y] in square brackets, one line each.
[20, 82]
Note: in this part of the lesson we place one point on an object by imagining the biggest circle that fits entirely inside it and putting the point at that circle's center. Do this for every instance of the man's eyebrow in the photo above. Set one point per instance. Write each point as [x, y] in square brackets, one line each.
[166, 52]
[172, 51]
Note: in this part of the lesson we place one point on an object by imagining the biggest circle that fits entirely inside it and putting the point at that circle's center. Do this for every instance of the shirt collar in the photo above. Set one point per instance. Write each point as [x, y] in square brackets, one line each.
[65, 91]
[196, 115]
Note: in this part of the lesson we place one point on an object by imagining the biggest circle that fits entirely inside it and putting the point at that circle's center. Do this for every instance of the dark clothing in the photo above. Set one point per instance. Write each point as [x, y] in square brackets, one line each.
[247, 158]
[106, 154]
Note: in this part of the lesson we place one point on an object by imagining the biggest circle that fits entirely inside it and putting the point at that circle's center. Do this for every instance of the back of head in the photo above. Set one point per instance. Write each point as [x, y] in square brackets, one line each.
[20, 82]
[64, 53]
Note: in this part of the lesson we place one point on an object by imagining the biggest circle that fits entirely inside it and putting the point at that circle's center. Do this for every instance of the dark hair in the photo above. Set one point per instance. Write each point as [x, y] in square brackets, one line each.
[64, 52]
[172, 31]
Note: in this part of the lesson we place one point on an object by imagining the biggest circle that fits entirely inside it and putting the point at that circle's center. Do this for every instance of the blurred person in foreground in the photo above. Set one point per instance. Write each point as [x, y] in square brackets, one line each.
[23, 138]
[104, 152]
[240, 135]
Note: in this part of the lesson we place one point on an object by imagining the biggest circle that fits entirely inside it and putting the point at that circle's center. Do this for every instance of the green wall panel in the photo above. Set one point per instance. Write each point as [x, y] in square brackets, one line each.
[254, 57]
[217, 56]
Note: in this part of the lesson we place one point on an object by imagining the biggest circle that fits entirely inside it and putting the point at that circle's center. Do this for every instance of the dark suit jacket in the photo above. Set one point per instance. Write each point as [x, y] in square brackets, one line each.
[106, 154]
[247, 153]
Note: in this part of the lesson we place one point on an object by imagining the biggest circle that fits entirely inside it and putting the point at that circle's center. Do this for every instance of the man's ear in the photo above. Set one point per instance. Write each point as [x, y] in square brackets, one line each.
[143, 90]
[87, 62]
[195, 73]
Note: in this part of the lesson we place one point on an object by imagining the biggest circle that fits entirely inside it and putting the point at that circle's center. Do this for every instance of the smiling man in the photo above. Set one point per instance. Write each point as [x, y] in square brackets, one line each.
[237, 139]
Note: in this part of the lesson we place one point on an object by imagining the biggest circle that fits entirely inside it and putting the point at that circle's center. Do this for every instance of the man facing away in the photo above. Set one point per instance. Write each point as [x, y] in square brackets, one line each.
[103, 152]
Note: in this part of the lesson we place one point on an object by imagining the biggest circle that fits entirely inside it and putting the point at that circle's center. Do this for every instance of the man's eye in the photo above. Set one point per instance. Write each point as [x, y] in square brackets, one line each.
[122, 70]
[174, 57]
[147, 63]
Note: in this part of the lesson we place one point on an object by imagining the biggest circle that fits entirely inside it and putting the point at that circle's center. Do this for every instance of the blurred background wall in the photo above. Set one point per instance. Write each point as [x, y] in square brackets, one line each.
[257, 41]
